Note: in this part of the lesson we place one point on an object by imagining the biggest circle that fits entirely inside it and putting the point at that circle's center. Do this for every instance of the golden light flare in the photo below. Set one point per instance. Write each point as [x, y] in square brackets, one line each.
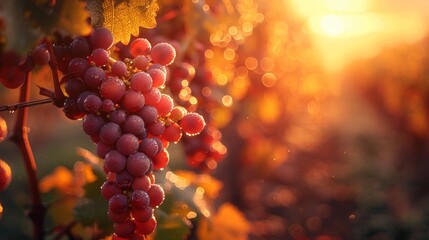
[241, 72]
[251, 63]
[247, 27]
[209, 53]
[229, 54]
[206, 91]
[222, 79]
[269, 79]
[227, 101]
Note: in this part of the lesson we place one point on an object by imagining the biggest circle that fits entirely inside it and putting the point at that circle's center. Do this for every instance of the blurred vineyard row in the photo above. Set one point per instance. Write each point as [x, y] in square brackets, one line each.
[314, 155]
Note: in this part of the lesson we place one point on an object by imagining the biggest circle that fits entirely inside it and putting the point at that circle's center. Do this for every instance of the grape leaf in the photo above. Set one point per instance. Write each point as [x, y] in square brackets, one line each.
[85, 212]
[124, 18]
[227, 224]
[171, 227]
[61, 178]
[95, 9]
[19, 35]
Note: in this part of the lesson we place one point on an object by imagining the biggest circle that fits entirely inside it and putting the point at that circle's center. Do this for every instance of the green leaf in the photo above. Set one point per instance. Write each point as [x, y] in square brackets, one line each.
[171, 227]
[95, 9]
[84, 212]
[28, 21]
[92, 193]
[20, 37]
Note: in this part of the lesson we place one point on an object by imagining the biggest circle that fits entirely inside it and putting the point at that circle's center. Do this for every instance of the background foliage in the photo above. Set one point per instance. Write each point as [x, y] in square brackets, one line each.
[311, 154]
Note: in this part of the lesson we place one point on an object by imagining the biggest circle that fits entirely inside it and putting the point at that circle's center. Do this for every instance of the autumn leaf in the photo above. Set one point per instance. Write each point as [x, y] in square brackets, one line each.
[61, 178]
[124, 18]
[227, 224]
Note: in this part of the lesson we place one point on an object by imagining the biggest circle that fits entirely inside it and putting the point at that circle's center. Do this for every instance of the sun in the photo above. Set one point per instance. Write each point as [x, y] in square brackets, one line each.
[332, 25]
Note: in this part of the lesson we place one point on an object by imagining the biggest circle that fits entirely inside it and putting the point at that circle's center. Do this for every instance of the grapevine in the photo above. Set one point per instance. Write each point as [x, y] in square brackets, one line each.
[124, 110]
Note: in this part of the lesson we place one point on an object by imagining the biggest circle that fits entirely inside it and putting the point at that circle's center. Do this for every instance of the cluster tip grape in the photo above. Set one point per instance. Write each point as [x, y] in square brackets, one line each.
[129, 118]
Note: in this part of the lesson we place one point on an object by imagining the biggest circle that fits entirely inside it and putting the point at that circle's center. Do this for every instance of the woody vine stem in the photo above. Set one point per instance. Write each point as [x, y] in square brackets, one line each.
[20, 138]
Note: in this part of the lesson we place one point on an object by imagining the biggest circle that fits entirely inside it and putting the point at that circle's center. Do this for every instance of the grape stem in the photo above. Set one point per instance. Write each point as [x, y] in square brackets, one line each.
[16, 106]
[65, 230]
[53, 64]
[20, 138]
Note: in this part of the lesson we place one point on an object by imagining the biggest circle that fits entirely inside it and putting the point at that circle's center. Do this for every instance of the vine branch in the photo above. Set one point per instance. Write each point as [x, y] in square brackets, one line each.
[20, 138]
[16, 106]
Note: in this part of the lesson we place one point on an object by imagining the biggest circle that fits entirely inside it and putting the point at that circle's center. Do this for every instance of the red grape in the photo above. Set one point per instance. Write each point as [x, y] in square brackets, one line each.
[149, 146]
[92, 123]
[192, 123]
[5, 175]
[158, 77]
[109, 189]
[3, 129]
[165, 105]
[141, 62]
[118, 203]
[99, 56]
[93, 77]
[141, 82]
[141, 183]
[119, 69]
[41, 55]
[110, 132]
[133, 101]
[127, 144]
[163, 53]
[146, 228]
[140, 46]
[113, 88]
[114, 161]
[161, 160]
[172, 133]
[134, 124]
[138, 164]
[101, 38]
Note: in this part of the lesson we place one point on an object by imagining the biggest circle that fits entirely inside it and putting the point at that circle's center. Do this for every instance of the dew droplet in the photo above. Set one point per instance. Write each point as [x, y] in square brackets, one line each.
[12, 108]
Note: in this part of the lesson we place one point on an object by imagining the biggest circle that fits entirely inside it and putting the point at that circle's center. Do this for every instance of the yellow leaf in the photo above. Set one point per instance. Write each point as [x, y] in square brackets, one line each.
[125, 18]
[228, 224]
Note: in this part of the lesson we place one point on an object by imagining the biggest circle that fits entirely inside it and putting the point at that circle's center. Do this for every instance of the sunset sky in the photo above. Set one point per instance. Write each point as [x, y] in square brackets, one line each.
[345, 30]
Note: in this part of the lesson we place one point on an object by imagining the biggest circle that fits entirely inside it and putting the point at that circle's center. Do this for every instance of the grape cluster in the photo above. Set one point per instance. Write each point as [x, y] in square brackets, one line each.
[129, 119]
[205, 150]
[13, 67]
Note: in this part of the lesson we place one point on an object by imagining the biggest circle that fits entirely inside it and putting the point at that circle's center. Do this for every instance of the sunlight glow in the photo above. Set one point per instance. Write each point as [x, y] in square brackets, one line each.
[345, 30]
[347, 5]
[333, 25]
[346, 25]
